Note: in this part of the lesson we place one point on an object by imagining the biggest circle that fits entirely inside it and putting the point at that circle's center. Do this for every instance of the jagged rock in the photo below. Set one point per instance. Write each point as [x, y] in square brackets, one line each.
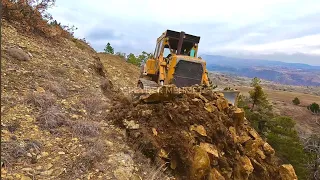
[233, 134]
[18, 53]
[210, 148]
[287, 172]
[202, 98]
[210, 108]
[254, 133]
[243, 169]
[215, 175]
[238, 117]
[222, 104]
[252, 148]
[243, 138]
[200, 164]
[199, 129]
[268, 149]
[259, 168]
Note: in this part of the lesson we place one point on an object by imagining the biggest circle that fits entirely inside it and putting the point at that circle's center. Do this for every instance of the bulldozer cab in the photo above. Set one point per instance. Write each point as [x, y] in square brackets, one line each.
[178, 43]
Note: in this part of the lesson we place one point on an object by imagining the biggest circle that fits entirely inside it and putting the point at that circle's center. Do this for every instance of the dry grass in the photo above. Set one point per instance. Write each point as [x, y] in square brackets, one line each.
[95, 152]
[11, 152]
[51, 118]
[86, 128]
[93, 104]
[56, 88]
[41, 100]
[14, 151]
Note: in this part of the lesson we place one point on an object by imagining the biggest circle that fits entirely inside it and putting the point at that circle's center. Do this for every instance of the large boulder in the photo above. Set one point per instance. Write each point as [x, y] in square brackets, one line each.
[243, 168]
[200, 164]
[287, 172]
[18, 54]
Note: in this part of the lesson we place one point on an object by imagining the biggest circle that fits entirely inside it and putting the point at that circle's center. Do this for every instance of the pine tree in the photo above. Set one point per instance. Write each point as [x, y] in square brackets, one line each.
[109, 49]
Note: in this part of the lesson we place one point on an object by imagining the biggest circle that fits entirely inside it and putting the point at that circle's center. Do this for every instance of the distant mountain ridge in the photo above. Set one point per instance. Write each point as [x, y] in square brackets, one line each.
[277, 71]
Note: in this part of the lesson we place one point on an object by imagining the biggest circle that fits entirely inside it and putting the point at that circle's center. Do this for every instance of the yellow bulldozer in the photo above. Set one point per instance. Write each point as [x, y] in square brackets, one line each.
[175, 62]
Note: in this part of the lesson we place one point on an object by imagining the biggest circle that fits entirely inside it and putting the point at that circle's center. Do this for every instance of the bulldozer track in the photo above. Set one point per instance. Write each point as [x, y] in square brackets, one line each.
[147, 84]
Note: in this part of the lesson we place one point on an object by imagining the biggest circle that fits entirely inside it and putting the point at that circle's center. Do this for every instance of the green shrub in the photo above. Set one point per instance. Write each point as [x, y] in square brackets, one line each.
[285, 140]
[314, 107]
[296, 101]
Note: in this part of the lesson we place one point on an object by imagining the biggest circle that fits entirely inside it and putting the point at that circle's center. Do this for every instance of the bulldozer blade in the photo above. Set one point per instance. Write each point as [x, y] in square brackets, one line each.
[231, 96]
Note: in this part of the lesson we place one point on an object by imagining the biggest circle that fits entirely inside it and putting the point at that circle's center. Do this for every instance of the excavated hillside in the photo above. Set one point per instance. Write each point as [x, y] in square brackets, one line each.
[54, 98]
[66, 113]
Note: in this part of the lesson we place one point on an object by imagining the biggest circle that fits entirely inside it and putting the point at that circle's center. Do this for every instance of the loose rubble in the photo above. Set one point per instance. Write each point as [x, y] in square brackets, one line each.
[197, 135]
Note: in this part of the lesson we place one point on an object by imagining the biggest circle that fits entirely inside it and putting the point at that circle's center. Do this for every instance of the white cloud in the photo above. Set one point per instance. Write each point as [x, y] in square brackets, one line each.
[264, 26]
[307, 44]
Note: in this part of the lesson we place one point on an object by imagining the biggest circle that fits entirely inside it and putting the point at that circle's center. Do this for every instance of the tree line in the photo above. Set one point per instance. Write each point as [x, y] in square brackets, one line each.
[137, 60]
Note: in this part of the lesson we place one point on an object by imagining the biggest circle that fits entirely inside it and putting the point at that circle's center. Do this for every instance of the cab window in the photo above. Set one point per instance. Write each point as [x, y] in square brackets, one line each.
[166, 51]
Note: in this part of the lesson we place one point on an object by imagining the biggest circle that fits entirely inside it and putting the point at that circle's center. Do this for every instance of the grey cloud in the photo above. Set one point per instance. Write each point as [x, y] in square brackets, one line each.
[101, 33]
[286, 29]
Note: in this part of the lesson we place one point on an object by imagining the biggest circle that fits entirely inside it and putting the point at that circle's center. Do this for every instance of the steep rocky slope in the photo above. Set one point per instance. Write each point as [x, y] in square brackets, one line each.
[54, 98]
[65, 115]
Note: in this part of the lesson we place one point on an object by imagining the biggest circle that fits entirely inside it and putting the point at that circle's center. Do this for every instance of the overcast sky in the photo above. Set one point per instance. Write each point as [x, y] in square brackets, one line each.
[285, 30]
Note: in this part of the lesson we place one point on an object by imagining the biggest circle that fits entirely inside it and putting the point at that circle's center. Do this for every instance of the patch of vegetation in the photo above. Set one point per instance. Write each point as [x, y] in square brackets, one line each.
[312, 146]
[137, 60]
[86, 128]
[296, 101]
[95, 153]
[33, 16]
[51, 118]
[41, 100]
[284, 139]
[56, 88]
[13, 152]
[108, 49]
[140, 59]
[93, 104]
[257, 95]
[314, 108]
